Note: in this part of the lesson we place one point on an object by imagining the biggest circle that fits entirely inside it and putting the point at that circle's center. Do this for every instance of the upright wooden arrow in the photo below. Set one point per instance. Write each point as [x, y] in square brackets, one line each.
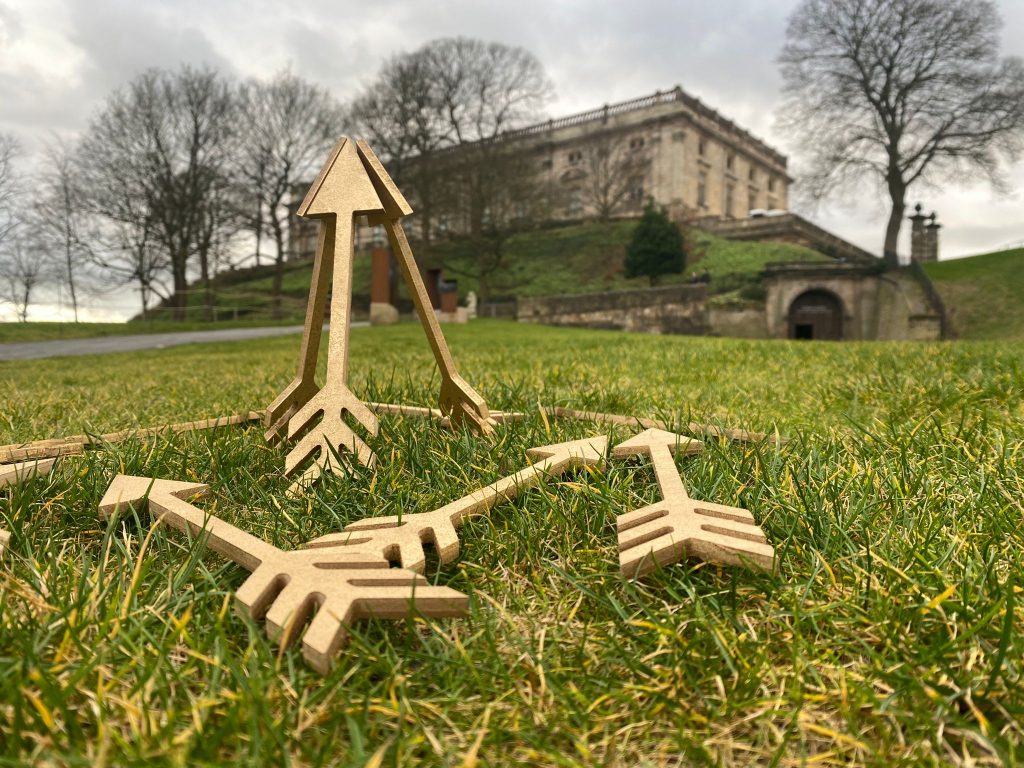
[402, 538]
[335, 587]
[353, 182]
[341, 192]
[458, 401]
[678, 526]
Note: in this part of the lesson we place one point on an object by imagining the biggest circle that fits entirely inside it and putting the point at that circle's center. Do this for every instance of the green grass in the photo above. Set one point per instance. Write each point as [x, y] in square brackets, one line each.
[892, 632]
[984, 294]
[585, 258]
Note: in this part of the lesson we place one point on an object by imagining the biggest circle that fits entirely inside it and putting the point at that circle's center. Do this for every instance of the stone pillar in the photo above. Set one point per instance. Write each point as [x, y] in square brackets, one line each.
[917, 235]
[931, 239]
[382, 311]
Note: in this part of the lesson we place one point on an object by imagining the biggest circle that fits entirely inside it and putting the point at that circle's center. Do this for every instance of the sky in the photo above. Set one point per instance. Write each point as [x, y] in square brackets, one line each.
[60, 58]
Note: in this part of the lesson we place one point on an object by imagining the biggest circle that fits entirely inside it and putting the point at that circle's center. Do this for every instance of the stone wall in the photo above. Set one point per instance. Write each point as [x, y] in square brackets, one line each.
[674, 309]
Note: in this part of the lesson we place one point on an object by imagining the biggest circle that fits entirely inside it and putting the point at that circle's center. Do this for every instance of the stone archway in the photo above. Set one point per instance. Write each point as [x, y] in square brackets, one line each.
[816, 314]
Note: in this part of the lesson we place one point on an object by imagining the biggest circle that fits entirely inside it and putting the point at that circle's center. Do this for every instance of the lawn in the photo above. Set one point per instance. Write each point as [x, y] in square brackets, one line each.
[44, 331]
[891, 633]
[984, 294]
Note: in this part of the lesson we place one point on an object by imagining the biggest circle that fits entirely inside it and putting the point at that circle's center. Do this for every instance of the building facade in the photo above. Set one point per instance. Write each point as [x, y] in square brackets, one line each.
[690, 159]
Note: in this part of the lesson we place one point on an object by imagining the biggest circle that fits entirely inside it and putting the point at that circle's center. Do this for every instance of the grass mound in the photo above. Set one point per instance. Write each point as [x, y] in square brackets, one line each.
[983, 294]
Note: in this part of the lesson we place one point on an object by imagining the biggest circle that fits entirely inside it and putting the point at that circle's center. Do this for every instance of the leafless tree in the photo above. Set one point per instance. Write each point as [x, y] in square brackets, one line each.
[153, 160]
[401, 115]
[61, 227]
[9, 185]
[898, 91]
[289, 126]
[615, 167]
[21, 272]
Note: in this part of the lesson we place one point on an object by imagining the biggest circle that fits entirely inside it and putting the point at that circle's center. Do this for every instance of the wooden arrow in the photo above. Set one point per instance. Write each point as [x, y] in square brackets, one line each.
[462, 404]
[401, 539]
[328, 589]
[5, 539]
[23, 470]
[678, 526]
[316, 417]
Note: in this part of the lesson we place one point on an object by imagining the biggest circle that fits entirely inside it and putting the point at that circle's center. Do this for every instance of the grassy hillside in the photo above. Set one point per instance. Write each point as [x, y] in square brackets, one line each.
[890, 634]
[581, 258]
[983, 294]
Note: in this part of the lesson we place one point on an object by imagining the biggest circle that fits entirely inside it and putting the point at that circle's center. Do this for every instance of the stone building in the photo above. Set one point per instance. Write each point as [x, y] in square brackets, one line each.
[689, 158]
[670, 146]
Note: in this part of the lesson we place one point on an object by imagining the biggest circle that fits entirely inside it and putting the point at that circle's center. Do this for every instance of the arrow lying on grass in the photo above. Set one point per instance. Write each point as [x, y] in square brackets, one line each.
[23, 470]
[402, 538]
[334, 587]
[678, 526]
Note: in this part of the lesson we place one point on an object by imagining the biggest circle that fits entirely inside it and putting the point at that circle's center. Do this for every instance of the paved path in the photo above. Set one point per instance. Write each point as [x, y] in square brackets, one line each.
[31, 350]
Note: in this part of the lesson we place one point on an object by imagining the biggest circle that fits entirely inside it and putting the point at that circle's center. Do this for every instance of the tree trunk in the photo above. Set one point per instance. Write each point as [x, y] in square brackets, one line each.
[180, 298]
[898, 193]
[278, 267]
[204, 268]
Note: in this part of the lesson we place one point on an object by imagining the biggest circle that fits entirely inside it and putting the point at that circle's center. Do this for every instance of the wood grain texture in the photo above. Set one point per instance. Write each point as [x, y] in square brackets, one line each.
[678, 527]
[401, 539]
[327, 590]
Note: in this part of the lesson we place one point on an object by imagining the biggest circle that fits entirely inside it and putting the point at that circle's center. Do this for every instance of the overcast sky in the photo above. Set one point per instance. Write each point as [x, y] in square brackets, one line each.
[59, 59]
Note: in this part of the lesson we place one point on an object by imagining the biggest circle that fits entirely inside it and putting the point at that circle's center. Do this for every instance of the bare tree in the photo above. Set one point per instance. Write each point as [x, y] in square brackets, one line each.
[288, 126]
[614, 171]
[898, 91]
[400, 113]
[9, 185]
[157, 153]
[59, 220]
[21, 272]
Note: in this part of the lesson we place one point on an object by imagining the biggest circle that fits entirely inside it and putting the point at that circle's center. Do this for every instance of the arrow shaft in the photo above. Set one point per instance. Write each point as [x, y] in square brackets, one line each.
[483, 499]
[236, 545]
[411, 273]
[671, 484]
[341, 295]
[317, 303]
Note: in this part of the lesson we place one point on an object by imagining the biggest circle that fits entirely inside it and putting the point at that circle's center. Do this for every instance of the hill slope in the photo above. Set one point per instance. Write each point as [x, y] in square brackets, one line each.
[984, 294]
[581, 258]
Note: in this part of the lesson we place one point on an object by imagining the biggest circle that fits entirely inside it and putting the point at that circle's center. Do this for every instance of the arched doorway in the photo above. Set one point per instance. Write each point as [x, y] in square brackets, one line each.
[816, 315]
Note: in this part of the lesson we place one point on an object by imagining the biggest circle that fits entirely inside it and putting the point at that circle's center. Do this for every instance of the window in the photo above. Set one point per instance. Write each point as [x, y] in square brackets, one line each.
[752, 174]
[730, 161]
[771, 204]
[575, 156]
[751, 200]
[636, 190]
[702, 189]
[702, 146]
[636, 142]
[545, 164]
[730, 189]
[771, 183]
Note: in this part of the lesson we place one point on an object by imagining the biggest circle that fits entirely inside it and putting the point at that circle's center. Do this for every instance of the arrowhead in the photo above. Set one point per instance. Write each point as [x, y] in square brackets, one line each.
[590, 450]
[652, 438]
[395, 204]
[126, 491]
[343, 186]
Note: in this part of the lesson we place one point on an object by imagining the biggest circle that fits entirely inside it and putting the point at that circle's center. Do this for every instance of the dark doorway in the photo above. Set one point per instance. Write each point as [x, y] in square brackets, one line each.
[816, 315]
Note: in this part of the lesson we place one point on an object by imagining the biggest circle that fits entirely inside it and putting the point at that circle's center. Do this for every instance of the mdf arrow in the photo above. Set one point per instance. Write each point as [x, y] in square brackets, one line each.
[333, 588]
[402, 538]
[353, 182]
[458, 401]
[316, 417]
[23, 470]
[678, 526]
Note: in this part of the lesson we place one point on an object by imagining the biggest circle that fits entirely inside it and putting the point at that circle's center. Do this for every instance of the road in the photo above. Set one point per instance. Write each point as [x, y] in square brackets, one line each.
[32, 350]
